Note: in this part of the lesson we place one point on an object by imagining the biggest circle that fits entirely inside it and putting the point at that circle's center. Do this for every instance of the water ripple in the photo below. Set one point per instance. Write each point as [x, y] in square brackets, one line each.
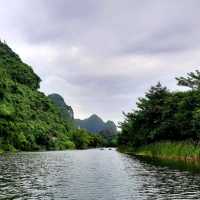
[91, 175]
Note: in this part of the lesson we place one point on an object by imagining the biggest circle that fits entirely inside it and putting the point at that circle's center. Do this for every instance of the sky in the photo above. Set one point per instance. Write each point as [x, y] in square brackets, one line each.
[101, 55]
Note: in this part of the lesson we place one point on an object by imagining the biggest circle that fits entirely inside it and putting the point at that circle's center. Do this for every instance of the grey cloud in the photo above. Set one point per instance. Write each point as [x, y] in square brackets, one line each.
[169, 40]
[123, 47]
[125, 26]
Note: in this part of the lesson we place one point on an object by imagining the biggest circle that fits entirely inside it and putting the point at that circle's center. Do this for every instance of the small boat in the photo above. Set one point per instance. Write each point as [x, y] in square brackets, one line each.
[110, 149]
[101, 148]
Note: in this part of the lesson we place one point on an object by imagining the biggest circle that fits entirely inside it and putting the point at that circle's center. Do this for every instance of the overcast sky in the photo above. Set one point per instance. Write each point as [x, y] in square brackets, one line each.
[101, 55]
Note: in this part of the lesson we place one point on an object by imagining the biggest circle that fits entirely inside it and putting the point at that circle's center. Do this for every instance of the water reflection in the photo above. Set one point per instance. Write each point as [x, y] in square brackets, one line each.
[90, 175]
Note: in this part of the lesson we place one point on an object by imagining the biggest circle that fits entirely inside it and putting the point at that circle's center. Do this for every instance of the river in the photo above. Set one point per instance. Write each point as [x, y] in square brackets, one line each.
[92, 174]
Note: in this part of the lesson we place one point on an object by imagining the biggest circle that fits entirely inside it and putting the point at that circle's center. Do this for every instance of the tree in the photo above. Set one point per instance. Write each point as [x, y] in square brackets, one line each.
[164, 115]
[144, 124]
[192, 80]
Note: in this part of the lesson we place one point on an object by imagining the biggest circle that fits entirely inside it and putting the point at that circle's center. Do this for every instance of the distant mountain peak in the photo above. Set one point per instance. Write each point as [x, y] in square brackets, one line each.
[95, 124]
[95, 117]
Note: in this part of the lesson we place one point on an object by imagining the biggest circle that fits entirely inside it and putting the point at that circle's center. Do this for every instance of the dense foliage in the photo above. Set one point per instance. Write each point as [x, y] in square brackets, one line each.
[29, 120]
[83, 139]
[163, 115]
[15, 69]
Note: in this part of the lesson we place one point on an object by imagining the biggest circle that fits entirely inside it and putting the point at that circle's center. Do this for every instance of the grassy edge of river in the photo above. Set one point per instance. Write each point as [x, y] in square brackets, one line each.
[184, 155]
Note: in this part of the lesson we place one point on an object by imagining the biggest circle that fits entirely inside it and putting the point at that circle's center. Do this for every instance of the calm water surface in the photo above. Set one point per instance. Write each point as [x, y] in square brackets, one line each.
[91, 175]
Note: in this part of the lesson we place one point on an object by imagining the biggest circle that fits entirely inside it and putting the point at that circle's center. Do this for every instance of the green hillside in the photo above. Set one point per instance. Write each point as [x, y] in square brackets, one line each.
[28, 119]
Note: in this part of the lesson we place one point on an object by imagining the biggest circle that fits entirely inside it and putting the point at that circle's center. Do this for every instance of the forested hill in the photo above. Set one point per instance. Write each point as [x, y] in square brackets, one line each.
[29, 120]
[95, 124]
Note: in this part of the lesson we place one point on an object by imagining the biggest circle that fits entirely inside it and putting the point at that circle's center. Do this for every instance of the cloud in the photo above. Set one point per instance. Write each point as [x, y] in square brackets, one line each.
[102, 55]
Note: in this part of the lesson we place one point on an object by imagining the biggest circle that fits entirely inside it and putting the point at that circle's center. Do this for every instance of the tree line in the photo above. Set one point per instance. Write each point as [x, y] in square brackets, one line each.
[164, 115]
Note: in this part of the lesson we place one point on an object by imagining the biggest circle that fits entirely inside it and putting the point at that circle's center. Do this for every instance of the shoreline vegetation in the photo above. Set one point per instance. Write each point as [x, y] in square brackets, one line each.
[179, 151]
[165, 124]
[183, 155]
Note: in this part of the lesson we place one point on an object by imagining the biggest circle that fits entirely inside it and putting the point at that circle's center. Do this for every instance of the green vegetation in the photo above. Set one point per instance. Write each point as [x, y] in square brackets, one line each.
[83, 139]
[165, 116]
[95, 125]
[29, 120]
[173, 150]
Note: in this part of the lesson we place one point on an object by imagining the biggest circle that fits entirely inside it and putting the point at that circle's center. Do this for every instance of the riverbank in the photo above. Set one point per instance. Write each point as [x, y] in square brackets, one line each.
[178, 151]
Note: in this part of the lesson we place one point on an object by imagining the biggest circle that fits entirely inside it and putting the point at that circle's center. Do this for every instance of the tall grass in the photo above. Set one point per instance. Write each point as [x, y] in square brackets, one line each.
[171, 150]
